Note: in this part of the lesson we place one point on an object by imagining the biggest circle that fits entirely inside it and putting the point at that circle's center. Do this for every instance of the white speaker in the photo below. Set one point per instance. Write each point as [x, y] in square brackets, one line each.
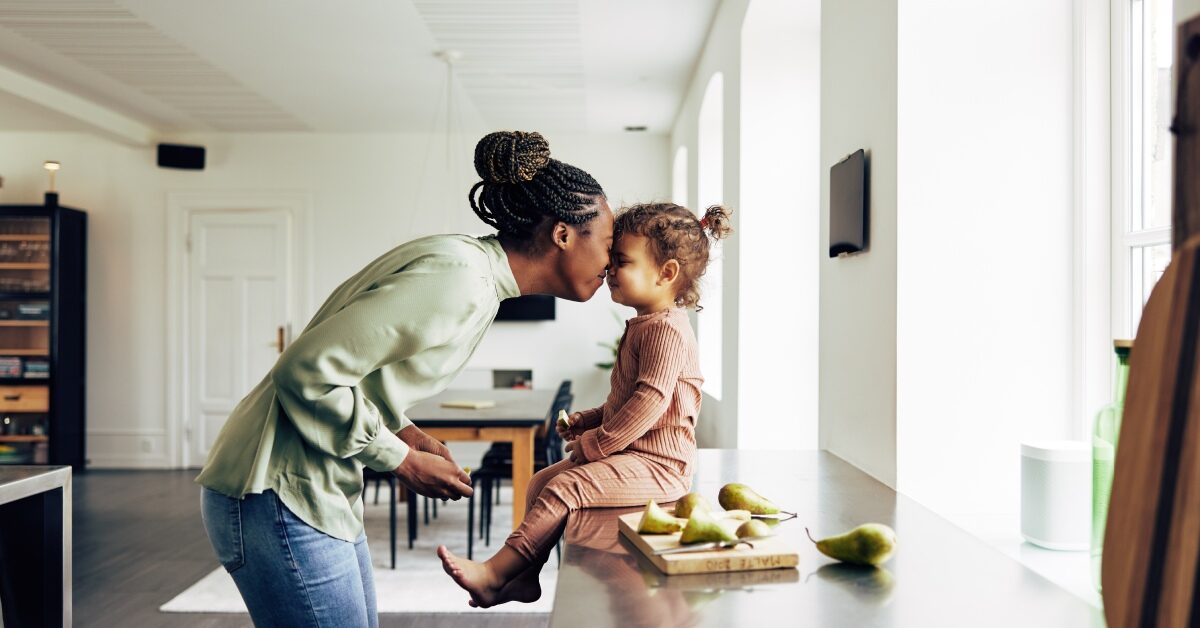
[1056, 494]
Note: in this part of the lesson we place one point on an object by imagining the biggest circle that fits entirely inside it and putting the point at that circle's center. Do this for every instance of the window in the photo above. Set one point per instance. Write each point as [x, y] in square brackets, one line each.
[710, 191]
[1144, 232]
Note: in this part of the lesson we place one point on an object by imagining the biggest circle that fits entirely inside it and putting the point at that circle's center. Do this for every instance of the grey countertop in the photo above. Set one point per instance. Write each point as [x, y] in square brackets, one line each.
[19, 482]
[940, 575]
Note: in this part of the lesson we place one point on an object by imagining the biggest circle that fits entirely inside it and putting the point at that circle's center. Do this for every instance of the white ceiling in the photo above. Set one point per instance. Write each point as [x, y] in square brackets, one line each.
[363, 66]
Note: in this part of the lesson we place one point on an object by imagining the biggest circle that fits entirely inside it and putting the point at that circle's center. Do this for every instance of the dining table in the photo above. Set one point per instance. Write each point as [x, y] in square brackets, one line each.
[511, 415]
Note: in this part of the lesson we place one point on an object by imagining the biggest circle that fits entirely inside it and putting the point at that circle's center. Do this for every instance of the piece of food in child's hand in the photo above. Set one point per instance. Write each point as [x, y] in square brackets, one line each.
[564, 421]
[655, 520]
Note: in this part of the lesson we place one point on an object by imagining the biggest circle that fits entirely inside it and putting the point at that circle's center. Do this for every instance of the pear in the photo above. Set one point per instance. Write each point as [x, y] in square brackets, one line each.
[741, 497]
[740, 515]
[868, 544]
[702, 527]
[655, 520]
[753, 529]
[564, 421]
[690, 502]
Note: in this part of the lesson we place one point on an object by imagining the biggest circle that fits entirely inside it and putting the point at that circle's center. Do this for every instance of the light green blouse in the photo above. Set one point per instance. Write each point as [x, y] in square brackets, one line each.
[389, 337]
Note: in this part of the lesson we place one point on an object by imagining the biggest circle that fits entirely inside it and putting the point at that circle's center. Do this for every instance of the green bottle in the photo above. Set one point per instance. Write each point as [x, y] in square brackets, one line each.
[1104, 454]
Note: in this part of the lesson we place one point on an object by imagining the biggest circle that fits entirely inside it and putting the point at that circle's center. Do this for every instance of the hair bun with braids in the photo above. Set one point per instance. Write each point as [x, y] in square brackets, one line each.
[522, 188]
[511, 156]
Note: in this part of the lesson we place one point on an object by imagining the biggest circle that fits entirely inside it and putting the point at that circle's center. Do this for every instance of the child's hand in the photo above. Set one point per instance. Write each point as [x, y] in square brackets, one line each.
[573, 454]
[567, 432]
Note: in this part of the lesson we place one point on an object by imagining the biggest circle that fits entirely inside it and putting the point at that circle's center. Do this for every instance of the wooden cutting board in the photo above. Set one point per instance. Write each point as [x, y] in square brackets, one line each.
[769, 553]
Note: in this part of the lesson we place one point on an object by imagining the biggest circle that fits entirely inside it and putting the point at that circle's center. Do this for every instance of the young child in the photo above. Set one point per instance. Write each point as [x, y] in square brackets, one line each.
[641, 444]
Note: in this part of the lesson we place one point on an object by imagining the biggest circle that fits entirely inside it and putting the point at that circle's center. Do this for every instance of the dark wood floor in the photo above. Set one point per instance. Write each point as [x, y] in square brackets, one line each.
[139, 542]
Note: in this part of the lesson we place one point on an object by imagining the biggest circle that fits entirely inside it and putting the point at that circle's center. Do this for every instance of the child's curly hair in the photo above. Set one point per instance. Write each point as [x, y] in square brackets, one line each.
[676, 234]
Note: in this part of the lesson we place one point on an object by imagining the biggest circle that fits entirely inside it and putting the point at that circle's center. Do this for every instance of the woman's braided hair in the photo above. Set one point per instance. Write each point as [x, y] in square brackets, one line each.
[676, 234]
[523, 187]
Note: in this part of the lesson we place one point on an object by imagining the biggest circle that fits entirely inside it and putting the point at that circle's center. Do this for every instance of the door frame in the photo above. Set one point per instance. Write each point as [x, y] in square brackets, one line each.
[180, 207]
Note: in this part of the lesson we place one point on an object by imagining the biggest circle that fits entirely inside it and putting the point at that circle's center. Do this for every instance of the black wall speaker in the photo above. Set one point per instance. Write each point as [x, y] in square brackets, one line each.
[849, 204]
[181, 156]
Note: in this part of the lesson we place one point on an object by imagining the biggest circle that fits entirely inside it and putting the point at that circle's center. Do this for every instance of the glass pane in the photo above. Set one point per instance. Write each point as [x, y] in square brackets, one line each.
[1147, 265]
[24, 254]
[1155, 56]
[24, 317]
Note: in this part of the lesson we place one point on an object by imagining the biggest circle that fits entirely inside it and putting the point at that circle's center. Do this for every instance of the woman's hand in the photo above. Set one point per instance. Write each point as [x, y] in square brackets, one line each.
[416, 439]
[432, 475]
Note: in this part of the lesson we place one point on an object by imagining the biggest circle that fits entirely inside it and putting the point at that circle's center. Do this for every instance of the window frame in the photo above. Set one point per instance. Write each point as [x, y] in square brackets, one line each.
[1129, 165]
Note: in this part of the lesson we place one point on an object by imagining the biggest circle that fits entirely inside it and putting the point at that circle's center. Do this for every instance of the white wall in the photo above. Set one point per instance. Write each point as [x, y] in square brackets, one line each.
[857, 355]
[984, 261]
[779, 225]
[1185, 11]
[722, 53]
[370, 192]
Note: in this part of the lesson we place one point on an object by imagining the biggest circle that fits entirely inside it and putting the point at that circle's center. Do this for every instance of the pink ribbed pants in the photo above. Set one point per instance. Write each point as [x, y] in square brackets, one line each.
[556, 491]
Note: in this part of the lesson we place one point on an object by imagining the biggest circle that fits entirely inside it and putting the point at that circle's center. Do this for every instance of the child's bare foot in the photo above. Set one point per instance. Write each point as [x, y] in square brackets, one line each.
[524, 588]
[475, 578]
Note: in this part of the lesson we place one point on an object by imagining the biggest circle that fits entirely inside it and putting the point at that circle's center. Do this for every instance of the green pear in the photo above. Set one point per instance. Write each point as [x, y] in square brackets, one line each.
[741, 497]
[564, 421]
[655, 520]
[740, 515]
[868, 544]
[753, 529]
[702, 527]
[690, 502]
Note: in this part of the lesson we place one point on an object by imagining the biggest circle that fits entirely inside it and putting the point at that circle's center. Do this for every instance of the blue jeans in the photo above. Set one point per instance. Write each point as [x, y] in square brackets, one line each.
[289, 573]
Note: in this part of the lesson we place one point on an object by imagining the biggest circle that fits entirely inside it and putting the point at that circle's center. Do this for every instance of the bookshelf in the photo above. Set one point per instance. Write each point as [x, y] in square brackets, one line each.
[42, 315]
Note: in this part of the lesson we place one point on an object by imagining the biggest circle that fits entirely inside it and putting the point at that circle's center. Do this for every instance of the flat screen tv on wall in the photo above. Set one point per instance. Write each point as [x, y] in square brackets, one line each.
[849, 201]
[531, 307]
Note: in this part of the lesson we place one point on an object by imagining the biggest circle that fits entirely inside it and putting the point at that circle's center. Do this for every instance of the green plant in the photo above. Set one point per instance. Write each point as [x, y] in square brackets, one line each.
[613, 347]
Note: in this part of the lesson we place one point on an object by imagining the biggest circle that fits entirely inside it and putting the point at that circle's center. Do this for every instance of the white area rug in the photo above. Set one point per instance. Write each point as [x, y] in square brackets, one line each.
[417, 585]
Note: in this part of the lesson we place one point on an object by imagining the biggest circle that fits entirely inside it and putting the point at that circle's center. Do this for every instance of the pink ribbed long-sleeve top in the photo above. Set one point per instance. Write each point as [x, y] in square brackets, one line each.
[655, 396]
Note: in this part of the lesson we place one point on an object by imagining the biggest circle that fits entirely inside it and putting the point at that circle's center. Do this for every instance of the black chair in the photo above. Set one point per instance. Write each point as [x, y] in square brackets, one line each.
[504, 448]
[378, 477]
[496, 466]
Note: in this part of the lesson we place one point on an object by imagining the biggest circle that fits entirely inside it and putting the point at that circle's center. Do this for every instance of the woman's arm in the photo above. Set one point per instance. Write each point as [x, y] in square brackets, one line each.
[316, 378]
[660, 361]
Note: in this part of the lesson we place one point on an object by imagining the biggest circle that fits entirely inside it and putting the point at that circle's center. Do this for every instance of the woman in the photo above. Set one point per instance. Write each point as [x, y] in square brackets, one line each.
[283, 483]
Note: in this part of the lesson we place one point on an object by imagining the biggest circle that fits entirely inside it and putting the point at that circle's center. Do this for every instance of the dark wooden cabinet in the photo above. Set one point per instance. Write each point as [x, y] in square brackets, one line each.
[43, 272]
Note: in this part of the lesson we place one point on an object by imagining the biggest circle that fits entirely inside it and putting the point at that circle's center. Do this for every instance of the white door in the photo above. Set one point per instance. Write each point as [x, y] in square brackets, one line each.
[240, 285]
